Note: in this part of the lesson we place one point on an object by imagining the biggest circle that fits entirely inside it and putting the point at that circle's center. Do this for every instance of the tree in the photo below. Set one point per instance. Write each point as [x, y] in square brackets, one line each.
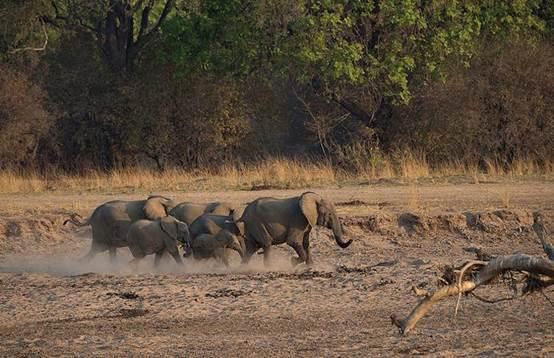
[21, 27]
[122, 29]
[361, 55]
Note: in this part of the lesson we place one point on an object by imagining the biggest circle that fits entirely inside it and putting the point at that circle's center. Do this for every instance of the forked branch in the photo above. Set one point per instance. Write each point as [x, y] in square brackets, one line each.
[497, 266]
[42, 48]
[540, 275]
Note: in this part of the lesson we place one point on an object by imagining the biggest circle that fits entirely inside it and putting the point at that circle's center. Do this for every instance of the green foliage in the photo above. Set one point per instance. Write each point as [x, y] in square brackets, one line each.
[218, 39]
[337, 45]
[499, 108]
[21, 26]
[223, 78]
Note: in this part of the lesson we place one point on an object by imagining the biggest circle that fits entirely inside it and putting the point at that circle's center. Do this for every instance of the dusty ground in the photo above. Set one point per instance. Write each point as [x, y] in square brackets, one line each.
[50, 305]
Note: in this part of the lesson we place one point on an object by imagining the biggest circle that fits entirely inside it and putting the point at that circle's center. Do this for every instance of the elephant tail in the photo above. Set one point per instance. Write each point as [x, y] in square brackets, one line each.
[77, 220]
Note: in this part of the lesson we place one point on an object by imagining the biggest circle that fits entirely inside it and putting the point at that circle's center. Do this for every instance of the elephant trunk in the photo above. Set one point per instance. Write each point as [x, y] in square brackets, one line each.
[338, 233]
[237, 246]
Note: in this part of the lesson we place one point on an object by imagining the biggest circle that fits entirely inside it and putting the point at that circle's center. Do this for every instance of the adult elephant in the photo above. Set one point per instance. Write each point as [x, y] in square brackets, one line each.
[188, 212]
[270, 221]
[110, 222]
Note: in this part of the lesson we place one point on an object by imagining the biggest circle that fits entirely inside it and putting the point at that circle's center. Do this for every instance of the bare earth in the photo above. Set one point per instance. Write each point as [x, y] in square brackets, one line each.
[51, 306]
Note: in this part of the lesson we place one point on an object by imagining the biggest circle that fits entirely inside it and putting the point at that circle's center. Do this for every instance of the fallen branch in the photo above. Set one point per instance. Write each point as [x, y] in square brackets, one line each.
[486, 300]
[540, 274]
[460, 277]
[497, 266]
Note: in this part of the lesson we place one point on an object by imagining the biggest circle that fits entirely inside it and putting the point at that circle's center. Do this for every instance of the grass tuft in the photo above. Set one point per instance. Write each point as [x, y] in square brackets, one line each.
[274, 173]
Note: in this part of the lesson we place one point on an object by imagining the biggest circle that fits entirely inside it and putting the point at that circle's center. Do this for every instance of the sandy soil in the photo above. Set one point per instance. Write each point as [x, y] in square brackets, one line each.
[51, 305]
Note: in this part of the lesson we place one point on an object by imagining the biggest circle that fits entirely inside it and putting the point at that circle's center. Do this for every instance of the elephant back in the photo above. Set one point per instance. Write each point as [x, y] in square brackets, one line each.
[187, 212]
[212, 224]
[220, 208]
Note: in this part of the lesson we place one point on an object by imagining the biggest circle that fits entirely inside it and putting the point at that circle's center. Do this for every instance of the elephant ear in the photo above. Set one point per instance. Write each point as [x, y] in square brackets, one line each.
[237, 216]
[154, 208]
[236, 245]
[169, 226]
[184, 229]
[308, 205]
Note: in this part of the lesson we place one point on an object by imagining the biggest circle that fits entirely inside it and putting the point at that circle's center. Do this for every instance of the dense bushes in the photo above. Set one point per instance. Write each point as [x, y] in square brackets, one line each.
[194, 85]
[501, 108]
[24, 119]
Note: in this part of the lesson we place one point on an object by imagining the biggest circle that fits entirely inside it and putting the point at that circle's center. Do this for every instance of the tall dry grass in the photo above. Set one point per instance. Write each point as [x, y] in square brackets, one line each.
[276, 173]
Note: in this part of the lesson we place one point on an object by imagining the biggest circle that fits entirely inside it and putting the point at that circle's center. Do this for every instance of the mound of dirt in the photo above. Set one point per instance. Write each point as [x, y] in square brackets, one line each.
[34, 232]
[376, 222]
[498, 221]
[418, 224]
[511, 220]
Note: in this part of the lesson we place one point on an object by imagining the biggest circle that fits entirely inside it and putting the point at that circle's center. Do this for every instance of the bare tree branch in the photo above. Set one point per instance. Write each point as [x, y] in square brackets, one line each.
[540, 230]
[144, 22]
[35, 48]
[167, 8]
[460, 278]
[137, 6]
[497, 266]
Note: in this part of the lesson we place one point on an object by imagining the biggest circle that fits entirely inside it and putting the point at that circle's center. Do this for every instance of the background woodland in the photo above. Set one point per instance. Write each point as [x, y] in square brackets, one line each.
[195, 84]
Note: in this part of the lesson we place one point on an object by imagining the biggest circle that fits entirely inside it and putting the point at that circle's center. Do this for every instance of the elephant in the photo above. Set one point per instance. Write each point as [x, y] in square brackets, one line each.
[206, 246]
[147, 237]
[110, 222]
[188, 212]
[270, 221]
[212, 224]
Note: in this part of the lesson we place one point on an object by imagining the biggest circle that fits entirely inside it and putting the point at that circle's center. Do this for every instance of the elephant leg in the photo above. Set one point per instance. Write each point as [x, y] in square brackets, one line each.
[220, 255]
[298, 247]
[134, 262]
[113, 254]
[306, 246]
[176, 256]
[267, 256]
[251, 248]
[95, 248]
[225, 259]
[158, 258]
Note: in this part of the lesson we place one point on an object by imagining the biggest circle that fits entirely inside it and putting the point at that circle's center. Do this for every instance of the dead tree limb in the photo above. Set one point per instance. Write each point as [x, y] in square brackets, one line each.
[540, 274]
[495, 267]
[460, 278]
[35, 48]
[540, 230]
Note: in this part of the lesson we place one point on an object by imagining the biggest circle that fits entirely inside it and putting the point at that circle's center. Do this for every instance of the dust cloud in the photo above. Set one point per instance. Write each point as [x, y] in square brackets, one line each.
[70, 265]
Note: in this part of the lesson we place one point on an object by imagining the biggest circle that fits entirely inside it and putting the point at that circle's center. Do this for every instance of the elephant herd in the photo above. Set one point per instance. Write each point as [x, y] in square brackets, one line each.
[158, 225]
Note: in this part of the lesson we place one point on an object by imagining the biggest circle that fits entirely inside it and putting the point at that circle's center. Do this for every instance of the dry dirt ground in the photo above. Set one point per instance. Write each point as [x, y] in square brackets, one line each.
[51, 306]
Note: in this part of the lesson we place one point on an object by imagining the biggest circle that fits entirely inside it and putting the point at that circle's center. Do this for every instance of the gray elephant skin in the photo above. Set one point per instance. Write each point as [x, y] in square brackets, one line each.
[270, 221]
[110, 222]
[147, 237]
[188, 212]
[212, 224]
[206, 246]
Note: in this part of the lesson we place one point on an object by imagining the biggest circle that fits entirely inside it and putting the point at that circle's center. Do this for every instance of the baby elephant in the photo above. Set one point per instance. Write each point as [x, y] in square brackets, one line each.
[147, 237]
[206, 246]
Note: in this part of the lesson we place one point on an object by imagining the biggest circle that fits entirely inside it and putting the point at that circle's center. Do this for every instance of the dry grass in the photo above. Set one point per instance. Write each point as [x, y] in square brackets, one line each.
[268, 174]
[414, 198]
